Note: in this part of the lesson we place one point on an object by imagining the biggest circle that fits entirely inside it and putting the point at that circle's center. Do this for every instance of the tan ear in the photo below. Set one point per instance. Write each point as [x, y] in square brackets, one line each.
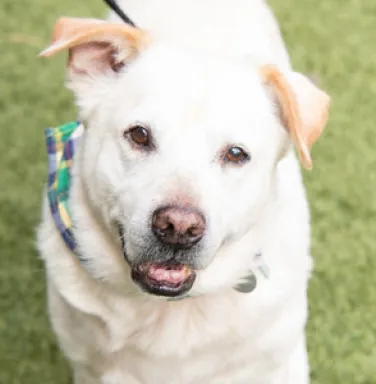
[95, 45]
[304, 108]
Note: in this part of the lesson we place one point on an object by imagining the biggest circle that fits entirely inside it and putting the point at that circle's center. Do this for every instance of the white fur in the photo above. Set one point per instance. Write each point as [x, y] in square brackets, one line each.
[199, 90]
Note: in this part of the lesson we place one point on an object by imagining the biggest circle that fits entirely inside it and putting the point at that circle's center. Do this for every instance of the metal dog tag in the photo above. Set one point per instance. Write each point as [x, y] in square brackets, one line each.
[248, 285]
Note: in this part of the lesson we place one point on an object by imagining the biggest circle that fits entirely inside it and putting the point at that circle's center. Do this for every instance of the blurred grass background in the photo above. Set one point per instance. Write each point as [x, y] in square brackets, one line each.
[333, 39]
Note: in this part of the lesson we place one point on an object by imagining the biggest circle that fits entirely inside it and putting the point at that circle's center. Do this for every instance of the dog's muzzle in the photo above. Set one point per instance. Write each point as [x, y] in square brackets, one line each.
[176, 230]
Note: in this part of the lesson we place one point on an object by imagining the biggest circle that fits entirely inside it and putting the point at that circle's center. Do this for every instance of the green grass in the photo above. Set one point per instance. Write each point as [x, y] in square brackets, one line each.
[333, 39]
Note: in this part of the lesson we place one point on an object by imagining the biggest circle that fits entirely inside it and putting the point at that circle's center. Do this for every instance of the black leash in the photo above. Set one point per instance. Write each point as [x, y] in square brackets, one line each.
[115, 7]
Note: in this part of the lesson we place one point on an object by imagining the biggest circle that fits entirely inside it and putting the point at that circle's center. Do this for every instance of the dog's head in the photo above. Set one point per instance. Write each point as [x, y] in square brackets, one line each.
[180, 149]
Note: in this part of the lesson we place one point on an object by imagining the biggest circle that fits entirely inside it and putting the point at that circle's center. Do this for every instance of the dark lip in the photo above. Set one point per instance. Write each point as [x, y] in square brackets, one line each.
[156, 288]
[153, 287]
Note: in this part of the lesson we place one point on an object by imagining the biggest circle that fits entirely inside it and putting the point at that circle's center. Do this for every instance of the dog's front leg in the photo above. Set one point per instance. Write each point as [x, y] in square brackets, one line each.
[115, 377]
[82, 375]
[297, 369]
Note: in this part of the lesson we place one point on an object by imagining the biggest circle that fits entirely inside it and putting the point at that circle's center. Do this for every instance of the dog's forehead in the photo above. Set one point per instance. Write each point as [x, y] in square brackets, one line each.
[183, 87]
[173, 74]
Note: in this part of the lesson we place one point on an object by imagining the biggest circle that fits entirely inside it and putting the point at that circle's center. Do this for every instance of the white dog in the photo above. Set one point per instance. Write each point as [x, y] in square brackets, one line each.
[188, 258]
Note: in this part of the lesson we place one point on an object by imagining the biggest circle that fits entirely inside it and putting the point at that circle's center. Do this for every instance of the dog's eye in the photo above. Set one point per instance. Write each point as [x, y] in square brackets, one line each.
[140, 136]
[236, 155]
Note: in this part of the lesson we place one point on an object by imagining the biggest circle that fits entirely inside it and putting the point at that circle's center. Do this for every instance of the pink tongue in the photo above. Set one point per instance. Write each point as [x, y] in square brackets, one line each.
[171, 275]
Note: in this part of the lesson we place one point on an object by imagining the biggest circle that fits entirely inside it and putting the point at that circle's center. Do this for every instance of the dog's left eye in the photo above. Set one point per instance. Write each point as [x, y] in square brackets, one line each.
[236, 155]
[140, 136]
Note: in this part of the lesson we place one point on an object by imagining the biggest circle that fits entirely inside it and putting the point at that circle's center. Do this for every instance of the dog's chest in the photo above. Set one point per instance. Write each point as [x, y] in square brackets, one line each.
[230, 364]
[221, 362]
[181, 343]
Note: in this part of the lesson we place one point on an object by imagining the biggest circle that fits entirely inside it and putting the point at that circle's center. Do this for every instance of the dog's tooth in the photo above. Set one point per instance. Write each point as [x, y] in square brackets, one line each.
[176, 275]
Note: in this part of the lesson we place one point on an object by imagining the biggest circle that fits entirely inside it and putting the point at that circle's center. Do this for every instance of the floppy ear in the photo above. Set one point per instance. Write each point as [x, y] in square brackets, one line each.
[303, 107]
[96, 48]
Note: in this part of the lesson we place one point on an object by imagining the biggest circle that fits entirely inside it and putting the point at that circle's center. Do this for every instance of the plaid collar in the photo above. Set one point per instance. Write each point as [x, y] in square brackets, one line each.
[61, 145]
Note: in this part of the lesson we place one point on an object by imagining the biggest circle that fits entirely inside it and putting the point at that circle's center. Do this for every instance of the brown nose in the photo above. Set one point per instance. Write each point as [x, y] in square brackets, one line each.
[179, 226]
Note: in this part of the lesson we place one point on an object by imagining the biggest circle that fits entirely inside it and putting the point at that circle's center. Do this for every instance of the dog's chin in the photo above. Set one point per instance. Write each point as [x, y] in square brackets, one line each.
[168, 279]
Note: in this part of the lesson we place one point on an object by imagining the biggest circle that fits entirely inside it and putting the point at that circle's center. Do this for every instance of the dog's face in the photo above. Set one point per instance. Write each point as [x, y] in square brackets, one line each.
[180, 152]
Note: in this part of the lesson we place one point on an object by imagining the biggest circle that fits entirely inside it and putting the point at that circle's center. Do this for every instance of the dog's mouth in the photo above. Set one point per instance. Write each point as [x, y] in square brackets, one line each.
[164, 279]
[168, 279]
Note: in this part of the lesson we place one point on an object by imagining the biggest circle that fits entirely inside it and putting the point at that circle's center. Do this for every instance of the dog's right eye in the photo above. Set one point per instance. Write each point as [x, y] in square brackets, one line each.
[139, 136]
[236, 155]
